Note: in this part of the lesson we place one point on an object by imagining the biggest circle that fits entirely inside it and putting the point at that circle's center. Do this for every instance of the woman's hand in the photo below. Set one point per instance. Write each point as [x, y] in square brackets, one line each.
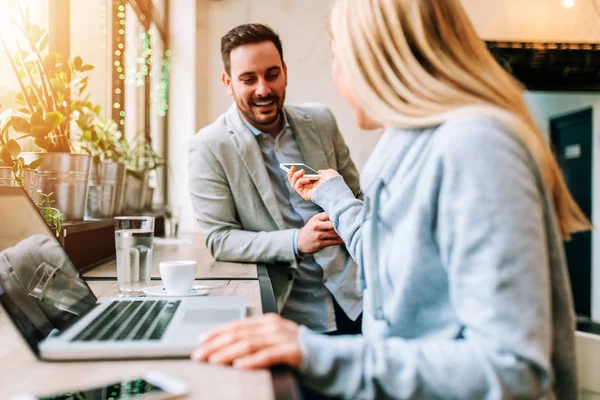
[306, 187]
[257, 342]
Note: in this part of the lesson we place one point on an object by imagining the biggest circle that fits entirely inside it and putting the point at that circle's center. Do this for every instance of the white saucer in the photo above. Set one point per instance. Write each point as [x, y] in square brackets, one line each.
[160, 291]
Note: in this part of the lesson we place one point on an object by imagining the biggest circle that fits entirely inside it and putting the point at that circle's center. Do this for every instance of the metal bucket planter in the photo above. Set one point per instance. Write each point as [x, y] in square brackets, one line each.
[135, 188]
[6, 177]
[102, 190]
[148, 195]
[120, 191]
[66, 175]
[31, 180]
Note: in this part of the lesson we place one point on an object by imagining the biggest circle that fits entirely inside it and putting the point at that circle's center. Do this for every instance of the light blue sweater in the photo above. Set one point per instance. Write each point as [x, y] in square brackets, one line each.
[467, 294]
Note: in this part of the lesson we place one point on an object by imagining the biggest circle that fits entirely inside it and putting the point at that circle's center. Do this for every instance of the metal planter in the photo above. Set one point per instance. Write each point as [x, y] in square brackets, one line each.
[66, 175]
[31, 180]
[120, 192]
[6, 177]
[105, 181]
[148, 195]
[135, 191]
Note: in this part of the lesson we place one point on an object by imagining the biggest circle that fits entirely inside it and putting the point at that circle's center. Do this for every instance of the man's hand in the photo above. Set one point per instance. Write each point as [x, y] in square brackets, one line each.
[256, 342]
[317, 234]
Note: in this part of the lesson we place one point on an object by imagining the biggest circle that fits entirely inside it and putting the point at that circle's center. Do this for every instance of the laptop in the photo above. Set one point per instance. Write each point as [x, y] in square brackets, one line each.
[60, 318]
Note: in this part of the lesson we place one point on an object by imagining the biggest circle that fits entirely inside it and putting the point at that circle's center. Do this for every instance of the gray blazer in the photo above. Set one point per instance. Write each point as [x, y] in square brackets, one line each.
[235, 205]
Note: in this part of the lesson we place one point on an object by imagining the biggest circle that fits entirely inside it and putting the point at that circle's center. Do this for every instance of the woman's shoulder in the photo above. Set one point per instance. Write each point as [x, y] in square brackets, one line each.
[463, 139]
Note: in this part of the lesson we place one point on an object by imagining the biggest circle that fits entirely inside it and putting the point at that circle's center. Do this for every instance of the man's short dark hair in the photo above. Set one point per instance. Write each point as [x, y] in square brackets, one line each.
[247, 34]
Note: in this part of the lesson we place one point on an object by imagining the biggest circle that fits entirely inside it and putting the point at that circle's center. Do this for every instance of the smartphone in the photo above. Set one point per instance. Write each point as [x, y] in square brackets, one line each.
[151, 386]
[308, 174]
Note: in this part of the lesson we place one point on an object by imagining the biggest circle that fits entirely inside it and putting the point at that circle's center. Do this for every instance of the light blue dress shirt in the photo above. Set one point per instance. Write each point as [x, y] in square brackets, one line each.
[309, 303]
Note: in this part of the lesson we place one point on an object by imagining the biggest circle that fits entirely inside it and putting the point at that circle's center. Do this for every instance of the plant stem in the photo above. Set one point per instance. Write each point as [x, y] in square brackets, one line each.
[48, 97]
[32, 82]
[44, 77]
[16, 71]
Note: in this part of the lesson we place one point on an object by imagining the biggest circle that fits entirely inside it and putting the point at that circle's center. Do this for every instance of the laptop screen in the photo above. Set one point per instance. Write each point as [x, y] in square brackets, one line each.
[40, 289]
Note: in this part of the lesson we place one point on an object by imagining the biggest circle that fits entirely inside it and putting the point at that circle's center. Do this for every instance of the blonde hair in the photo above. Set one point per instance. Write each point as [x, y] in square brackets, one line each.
[417, 64]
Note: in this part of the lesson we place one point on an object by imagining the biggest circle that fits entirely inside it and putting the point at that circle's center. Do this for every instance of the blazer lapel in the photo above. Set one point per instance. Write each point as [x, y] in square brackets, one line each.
[308, 139]
[247, 147]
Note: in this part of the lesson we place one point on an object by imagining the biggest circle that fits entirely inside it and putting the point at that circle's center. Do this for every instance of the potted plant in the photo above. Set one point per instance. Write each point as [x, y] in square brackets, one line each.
[102, 140]
[140, 160]
[47, 84]
[13, 170]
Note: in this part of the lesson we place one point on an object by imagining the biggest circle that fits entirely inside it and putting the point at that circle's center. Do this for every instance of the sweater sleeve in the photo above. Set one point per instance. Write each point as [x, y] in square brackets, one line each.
[492, 244]
[344, 211]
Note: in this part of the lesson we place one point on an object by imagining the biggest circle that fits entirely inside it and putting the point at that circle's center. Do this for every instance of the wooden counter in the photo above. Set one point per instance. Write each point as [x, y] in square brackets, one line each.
[21, 371]
[187, 247]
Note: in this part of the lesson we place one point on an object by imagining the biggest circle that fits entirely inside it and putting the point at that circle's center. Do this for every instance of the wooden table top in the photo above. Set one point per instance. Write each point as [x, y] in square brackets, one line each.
[21, 371]
[186, 247]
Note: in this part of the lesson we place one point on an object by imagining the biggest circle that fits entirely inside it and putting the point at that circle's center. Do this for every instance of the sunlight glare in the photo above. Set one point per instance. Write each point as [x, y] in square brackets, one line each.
[568, 3]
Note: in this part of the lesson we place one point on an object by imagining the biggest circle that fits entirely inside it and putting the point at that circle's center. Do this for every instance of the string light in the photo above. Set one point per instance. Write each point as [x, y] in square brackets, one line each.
[159, 74]
[118, 56]
[103, 30]
[163, 104]
[149, 59]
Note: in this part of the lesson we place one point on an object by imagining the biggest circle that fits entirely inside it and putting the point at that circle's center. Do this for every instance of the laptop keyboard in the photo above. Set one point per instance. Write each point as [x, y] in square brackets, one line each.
[130, 321]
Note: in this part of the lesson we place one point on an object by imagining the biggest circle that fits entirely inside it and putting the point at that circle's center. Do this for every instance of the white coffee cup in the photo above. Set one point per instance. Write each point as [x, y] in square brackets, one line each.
[178, 276]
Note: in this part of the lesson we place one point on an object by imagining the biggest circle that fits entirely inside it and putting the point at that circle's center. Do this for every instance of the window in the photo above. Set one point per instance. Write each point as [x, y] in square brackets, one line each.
[38, 10]
[159, 89]
[90, 39]
[137, 52]
[125, 41]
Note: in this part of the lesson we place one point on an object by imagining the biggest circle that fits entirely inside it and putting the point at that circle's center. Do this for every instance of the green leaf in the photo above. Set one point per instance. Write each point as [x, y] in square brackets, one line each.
[41, 142]
[13, 148]
[35, 164]
[39, 131]
[37, 118]
[53, 120]
[35, 33]
[43, 42]
[57, 85]
[50, 62]
[77, 63]
[20, 124]
[30, 58]
[6, 158]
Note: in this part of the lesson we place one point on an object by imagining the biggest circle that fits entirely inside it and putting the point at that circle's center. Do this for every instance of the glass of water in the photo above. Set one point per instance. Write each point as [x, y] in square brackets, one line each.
[133, 242]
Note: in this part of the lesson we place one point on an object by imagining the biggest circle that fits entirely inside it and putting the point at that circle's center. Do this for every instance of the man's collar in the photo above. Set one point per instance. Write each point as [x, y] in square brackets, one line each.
[256, 132]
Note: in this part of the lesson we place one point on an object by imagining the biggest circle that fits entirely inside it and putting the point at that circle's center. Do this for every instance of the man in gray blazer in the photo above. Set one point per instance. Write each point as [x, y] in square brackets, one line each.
[243, 201]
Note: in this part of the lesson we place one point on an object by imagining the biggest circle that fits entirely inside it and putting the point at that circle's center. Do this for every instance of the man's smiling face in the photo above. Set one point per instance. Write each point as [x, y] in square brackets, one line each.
[257, 82]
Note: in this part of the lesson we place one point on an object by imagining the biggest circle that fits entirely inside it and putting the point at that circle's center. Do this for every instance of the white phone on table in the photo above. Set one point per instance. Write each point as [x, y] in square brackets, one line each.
[153, 385]
[309, 173]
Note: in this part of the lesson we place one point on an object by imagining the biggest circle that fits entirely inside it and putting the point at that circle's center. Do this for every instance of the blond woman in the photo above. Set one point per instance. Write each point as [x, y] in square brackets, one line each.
[459, 240]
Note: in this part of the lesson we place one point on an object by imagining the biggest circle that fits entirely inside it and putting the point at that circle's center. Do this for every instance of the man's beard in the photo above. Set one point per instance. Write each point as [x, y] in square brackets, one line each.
[251, 113]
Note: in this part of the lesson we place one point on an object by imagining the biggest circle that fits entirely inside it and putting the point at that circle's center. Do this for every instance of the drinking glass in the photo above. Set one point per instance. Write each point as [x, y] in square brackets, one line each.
[172, 225]
[133, 242]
